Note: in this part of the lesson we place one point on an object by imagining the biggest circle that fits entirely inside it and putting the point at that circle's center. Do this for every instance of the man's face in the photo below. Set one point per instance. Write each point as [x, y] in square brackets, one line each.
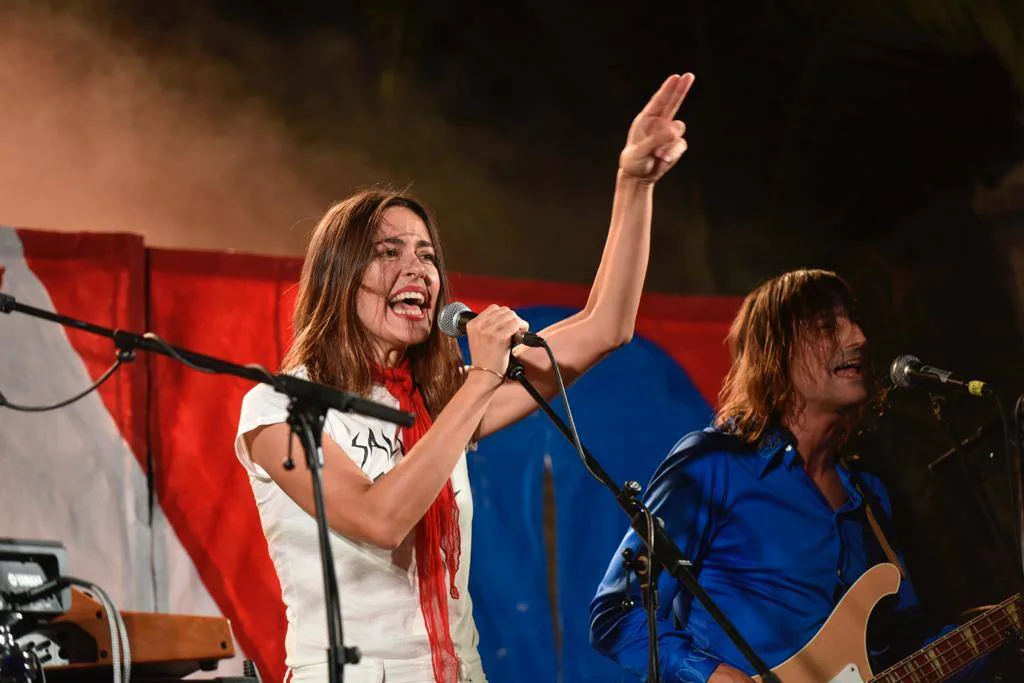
[826, 365]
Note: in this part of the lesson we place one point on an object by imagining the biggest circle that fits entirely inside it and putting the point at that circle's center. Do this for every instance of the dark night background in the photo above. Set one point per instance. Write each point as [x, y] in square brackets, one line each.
[880, 139]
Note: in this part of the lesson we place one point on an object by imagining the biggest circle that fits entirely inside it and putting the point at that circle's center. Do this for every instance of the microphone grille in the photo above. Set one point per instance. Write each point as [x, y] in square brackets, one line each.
[448, 321]
[900, 367]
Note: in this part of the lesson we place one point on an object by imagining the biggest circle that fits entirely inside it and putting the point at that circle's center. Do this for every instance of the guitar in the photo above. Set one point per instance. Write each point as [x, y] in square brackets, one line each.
[838, 652]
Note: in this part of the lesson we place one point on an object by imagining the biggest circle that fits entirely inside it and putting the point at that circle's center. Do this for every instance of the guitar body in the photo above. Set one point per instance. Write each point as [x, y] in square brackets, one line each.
[838, 653]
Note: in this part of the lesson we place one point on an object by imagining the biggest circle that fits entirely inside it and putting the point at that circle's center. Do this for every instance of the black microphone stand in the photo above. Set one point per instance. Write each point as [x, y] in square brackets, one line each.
[1015, 456]
[938, 403]
[307, 411]
[661, 548]
[1018, 474]
[968, 442]
[1015, 453]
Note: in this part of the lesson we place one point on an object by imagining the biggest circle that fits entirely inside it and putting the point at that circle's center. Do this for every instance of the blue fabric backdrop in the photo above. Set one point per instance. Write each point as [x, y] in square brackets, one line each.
[629, 410]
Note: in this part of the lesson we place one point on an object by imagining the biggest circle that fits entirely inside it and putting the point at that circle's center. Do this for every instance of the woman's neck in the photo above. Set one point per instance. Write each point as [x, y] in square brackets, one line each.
[390, 357]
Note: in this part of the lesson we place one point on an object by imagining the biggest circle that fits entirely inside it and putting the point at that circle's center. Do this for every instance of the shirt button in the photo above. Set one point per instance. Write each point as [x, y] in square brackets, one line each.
[789, 448]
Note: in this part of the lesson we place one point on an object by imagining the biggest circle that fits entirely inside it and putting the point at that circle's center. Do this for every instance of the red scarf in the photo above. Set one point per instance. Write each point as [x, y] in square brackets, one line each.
[438, 542]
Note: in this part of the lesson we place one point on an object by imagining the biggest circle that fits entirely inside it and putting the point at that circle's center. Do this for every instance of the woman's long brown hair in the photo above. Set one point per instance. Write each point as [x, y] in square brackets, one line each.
[330, 340]
[758, 389]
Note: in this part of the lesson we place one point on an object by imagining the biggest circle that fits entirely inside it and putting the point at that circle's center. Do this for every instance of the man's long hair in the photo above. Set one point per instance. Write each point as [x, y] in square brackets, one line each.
[758, 389]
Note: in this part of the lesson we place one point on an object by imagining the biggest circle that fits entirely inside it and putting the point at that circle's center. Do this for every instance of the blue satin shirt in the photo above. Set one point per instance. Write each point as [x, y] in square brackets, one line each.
[767, 547]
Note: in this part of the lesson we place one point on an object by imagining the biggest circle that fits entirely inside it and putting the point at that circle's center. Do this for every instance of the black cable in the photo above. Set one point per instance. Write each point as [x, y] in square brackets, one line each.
[4, 403]
[40, 669]
[1013, 460]
[568, 412]
[155, 338]
[1017, 482]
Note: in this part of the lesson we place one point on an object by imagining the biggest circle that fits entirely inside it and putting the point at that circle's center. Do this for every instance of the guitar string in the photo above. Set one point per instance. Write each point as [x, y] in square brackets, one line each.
[983, 635]
[981, 624]
[918, 662]
[908, 670]
[917, 669]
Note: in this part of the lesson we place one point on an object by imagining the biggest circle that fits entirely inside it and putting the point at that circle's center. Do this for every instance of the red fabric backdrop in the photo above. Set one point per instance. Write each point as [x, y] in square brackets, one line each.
[99, 277]
[238, 307]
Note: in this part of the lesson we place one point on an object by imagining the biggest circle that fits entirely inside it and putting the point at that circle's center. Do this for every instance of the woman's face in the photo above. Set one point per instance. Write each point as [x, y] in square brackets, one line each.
[397, 297]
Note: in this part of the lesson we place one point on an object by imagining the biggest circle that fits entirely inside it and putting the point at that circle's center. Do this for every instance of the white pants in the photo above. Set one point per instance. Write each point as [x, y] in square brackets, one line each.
[386, 671]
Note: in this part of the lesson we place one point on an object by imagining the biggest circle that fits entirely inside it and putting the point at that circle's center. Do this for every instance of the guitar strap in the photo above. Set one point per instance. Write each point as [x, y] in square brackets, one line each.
[879, 534]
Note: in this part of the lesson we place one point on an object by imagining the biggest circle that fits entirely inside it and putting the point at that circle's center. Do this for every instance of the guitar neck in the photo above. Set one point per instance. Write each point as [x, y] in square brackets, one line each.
[957, 649]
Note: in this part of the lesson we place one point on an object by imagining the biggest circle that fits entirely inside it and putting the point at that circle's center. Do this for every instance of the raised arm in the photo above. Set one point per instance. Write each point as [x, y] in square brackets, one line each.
[653, 146]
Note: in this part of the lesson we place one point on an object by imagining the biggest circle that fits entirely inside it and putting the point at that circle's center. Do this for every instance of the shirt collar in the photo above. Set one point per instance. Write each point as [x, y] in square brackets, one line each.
[776, 445]
[779, 446]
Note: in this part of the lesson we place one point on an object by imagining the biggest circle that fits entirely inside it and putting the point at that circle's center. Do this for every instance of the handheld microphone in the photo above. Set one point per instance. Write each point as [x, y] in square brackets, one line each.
[908, 371]
[455, 315]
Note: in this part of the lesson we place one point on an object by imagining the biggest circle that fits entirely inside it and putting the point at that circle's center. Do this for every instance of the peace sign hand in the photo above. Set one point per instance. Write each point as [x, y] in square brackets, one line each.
[655, 140]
